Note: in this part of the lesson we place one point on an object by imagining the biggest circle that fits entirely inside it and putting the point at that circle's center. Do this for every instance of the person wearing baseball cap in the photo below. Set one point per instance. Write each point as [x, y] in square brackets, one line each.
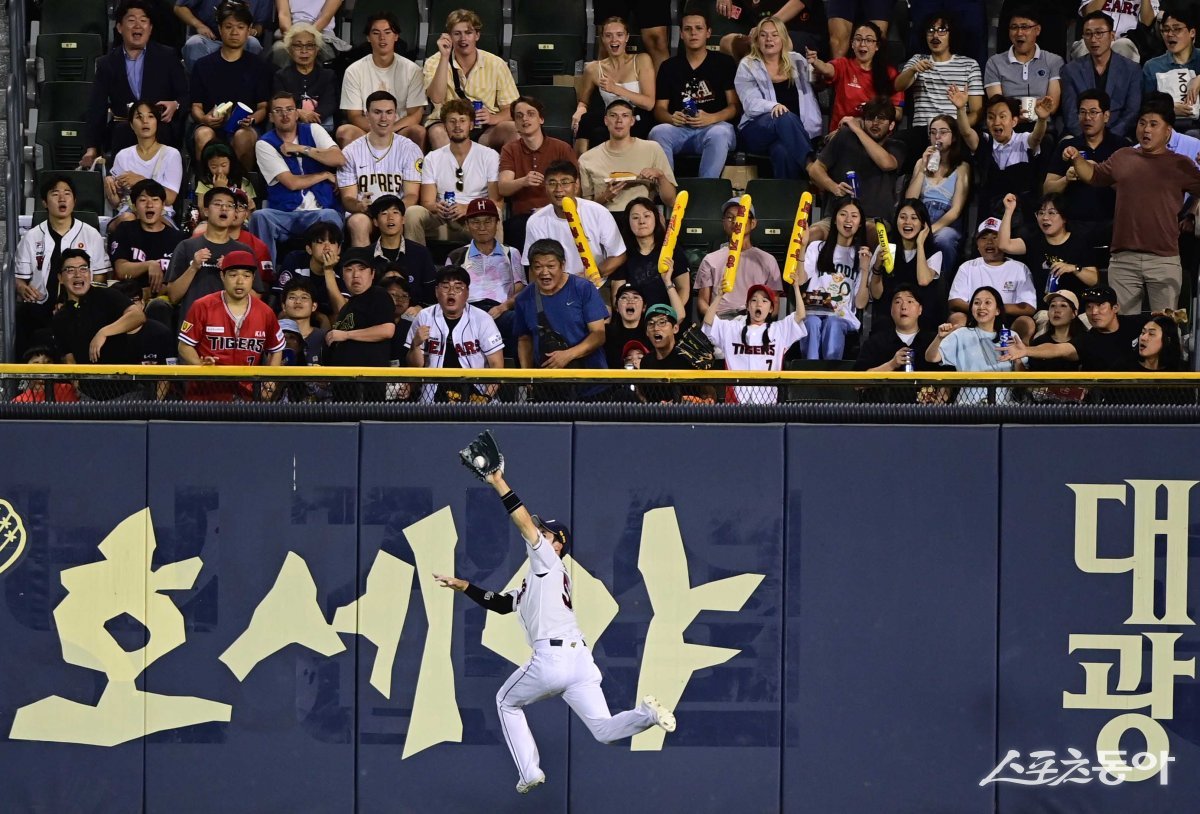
[992, 269]
[497, 271]
[361, 333]
[1062, 327]
[1110, 344]
[625, 325]
[755, 268]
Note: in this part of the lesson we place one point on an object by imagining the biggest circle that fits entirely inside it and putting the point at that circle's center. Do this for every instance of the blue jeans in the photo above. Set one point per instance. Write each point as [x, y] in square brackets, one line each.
[713, 143]
[198, 47]
[947, 240]
[783, 139]
[273, 226]
[826, 336]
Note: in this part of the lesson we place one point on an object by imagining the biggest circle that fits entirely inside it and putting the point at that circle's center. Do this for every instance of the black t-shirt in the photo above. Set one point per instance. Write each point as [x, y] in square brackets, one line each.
[615, 337]
[320, 87]
[876, 188]
[1109, 351]
[366, 310]
[1049, 365]
[642, 271]
[297, 263]
[880, 347]
[1040, 256]
[1083, 202]
[673, 361]
[215, 80]
[130, 242]
[76, 323]
[707, 83]
[785, 94]
[155, 344]
[400, 342]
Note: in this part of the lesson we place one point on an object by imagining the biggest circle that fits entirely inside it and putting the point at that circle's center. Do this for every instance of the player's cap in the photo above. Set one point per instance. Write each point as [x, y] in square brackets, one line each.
[660, 308]
[557, 531]
[290, 326]
[1100, 294]
[737, 202]
[238, 260]
[1062, 293]
[455, 274]
[481, 206]
[361, 256]
[240, 197]
[989, 225]
[385, 202]
[770, 295]
[626, 288]
[633, 345]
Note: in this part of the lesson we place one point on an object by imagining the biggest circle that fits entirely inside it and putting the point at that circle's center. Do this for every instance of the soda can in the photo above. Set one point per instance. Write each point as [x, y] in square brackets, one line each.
[908, 361]
[449, 197]
[478, 105]
[1052, 283]
[690, 107]
[852, 180]
[1006, 337]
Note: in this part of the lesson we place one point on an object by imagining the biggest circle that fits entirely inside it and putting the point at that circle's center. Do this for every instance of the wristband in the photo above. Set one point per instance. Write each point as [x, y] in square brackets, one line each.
[511, 501]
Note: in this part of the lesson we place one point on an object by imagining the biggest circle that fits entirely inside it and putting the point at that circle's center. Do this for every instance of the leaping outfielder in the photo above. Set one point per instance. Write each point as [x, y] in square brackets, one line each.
[561, 663]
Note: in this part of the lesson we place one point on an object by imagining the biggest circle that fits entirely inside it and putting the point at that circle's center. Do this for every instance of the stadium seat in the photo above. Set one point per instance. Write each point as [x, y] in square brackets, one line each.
[774, 203]
[541, 57]
[491, 14]
[698, 237]
[90, 218]
[63, 101]
[74, 17]
[560, 106]
[89, 189]
[58, 145]
[705, 196]
[407, 13]
[550, 17]
[67, 57]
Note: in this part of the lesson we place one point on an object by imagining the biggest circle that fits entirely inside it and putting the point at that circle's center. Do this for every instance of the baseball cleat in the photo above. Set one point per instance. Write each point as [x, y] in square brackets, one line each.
[525, 788]
[662, 716]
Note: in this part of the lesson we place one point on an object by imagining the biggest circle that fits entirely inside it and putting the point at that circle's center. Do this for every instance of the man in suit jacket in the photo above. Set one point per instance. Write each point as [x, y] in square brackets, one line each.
[134, 69]
[1102, 68]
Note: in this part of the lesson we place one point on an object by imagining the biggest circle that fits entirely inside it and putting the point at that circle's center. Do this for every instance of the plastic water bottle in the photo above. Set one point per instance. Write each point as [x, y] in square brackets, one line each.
[934, 163]
[852, 180]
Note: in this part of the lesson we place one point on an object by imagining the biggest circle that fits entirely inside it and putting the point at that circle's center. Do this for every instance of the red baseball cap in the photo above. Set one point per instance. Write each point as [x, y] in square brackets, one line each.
[239, 260]
[633, 344]
[481, 206]
[771, 295]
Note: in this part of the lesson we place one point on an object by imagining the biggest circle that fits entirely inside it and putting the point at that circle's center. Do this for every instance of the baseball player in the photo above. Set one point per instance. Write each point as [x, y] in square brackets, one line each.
[758, 343]
[561, 663]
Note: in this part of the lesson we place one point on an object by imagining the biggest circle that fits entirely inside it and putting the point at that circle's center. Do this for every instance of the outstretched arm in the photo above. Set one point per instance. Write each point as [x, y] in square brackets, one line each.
[520, 515]
[500, 603]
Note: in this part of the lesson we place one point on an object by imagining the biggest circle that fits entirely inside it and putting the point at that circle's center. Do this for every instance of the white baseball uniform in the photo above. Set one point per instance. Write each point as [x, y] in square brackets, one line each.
[380, 172]
[474, 337]
[560, 664]
[744, 349]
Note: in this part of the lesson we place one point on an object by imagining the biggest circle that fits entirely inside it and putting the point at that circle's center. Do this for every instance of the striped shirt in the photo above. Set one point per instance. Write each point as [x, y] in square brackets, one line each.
[929, 88]
[490, 81]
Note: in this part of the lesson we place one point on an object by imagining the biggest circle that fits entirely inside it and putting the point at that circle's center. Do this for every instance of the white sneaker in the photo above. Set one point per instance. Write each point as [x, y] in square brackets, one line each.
[662, 716]
[525, 788]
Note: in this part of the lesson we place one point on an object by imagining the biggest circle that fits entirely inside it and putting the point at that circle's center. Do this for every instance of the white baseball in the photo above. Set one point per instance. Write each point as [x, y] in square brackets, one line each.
[480, 461]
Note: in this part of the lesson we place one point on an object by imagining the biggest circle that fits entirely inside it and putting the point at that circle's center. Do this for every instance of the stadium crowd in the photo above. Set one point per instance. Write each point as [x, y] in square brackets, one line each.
[298, 202]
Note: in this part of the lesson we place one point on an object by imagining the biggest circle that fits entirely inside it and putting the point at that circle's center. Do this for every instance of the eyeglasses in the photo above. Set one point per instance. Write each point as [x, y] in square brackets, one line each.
[1046, 213]
[76, 270]
[304, 46]
[937, 29]
[1090, 113]
[221, 205]
[283, 111]
[560, 184]
[658, 322]
[1095, 35]
[458, 184]
[453, 288]
[864, 41]
[940, 132]
[1022, 26]
[1175, 29]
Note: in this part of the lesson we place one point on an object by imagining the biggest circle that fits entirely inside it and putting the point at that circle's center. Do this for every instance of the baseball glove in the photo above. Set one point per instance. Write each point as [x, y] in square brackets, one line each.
[696, 348]
[482, 456]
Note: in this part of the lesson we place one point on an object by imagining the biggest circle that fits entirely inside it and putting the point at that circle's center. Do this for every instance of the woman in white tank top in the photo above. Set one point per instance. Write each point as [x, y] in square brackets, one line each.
[617, 75]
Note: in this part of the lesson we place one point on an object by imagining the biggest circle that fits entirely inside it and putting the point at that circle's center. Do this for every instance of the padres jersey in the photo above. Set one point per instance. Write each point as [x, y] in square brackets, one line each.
[544, 599]
[475, 336]
[213, 331]
[751, 354]
[380, 172]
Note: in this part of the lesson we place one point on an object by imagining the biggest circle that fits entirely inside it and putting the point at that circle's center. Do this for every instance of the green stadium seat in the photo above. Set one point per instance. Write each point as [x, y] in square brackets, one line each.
[550, 17]
[698, 237]
[90, 218]
[58, 145]
[89, 189]
[774, 202]
[67, 57]
[560, 102]
[706, 196]
[63, 101]
[541, 57]
[74, 17]
[491, 14]
[407, 13]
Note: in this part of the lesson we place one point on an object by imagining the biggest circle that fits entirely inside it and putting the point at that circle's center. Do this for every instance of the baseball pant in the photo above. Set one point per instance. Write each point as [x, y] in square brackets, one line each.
[1132, 273]
[564, 669]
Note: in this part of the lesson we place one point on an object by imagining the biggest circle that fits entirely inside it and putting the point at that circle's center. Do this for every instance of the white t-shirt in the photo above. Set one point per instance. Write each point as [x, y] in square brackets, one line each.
[1010, 278]
[842, 286]
[307, 11]
[544, 598]
[36, 247]
[475, 337]
[271, 162]
[598, 224]
[751, 353]
[379, 172]
[402, 79]
[166, 167]
[481, 167]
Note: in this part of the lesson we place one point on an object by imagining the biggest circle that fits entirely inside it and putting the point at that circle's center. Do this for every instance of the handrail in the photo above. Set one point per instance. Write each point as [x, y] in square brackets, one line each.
[16, 172]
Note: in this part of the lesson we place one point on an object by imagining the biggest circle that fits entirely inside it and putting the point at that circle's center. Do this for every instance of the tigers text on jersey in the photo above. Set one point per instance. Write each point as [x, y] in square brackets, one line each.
[474, 338]
[380, 172]
[744, 349]
[215, 332]
[544, 599]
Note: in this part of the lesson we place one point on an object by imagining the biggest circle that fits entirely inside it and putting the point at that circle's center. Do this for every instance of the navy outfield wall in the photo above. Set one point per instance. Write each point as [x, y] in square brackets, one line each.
[238, 617]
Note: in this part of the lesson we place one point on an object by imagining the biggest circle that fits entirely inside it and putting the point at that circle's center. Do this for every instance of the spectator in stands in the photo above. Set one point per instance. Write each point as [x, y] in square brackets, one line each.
[1105, 70]
[1110, 344]
[205, 18]
[834, 276]
[135, 68]
[654, 24]
[619, 75]
[307, 79]
[781, 115]
[917, 267]
[706, 79]
[92, 316]
[1025, 72]
[464, 170]
[1057, 257]
[452, 333]
[295, 160]
[362, 332]
[943, 189]
[388, 213]
[643, 234]
[968, 19]
[864, 146]
[299, 304]
[991, 269]
[459, 70]
[625, 325]
[972, 345]
[755, 268]
[523, 165]
[322, 250]
[625, 167]
[1159, 349]
[1130, 20]
[230, 76]
[239, 232]
[404, 313]
[1174, 73]
[220, 168]
[40, 250]
[1150, 183]
[382, 69]
[805, 20]
[318, 17]
[859, 78]
[1003, 156]
[844, 15]
[574, 314]
[382, 162]
[496, 271]
[35, 389]
[932, 75]
[1091, 208]
[900, 343]
[141, 249]
[148, 159]
[1062, 328]
[604, 237]
[662, 330]
[194, 270]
